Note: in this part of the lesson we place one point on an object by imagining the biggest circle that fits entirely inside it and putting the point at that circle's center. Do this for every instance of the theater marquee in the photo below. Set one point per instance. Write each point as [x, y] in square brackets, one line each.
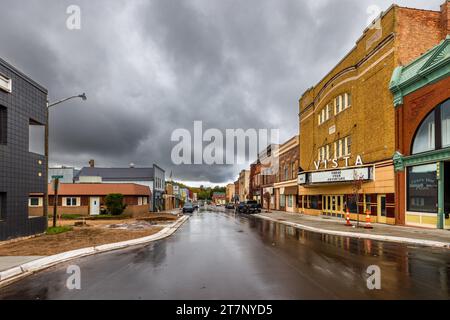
[336, 176]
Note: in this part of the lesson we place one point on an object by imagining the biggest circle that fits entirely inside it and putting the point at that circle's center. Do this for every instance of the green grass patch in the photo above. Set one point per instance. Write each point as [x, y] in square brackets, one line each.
[109, 217]
[99, 217]
[58, 230]
[69, 216]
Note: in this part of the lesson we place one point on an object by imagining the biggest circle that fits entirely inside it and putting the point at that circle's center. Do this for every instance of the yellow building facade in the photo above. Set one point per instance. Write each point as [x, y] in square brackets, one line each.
[347, 122]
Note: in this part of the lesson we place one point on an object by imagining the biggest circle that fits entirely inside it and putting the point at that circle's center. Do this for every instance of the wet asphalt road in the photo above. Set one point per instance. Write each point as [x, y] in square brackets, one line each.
[220, 255]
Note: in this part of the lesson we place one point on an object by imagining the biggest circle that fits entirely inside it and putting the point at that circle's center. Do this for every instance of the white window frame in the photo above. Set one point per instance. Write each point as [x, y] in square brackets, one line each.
[35, 206]
[71, 204]
[347, 146]
[347, 100]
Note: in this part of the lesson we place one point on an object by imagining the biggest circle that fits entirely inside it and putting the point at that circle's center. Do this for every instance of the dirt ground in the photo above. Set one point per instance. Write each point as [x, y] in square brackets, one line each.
[96, 233]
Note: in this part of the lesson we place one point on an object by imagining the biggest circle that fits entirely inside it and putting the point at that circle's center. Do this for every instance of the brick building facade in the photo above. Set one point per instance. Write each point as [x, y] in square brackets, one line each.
[255, 181]
[347, 120]
[422, 161]
[285, 187]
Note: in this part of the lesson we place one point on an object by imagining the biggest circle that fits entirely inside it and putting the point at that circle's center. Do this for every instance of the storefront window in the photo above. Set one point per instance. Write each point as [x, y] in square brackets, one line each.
[445, 126]
[282, 200]
[351, 204]
[425, 137]
[314, 202]
[422, 189]
[290, 201]
[368, 202]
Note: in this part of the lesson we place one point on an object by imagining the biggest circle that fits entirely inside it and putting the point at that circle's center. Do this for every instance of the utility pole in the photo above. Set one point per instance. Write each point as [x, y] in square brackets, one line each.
[55, 204]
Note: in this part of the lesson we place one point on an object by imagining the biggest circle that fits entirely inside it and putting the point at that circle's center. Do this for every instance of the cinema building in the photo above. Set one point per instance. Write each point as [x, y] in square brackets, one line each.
[347, 121]
[422, 162]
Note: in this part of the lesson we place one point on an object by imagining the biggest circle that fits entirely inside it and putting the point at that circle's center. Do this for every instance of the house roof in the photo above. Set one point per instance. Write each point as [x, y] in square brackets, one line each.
[218, 194]
[118, 174]
[430, 67]
[99, 189]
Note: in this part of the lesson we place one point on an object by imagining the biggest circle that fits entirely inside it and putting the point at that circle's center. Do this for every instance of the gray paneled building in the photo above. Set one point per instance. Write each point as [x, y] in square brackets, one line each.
[23, 160]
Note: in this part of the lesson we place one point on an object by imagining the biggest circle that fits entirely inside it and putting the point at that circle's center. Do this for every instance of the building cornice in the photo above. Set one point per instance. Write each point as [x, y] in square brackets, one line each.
[429, 68]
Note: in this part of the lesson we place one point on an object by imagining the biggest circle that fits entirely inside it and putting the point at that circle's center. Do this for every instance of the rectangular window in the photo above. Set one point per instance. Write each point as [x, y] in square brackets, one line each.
[422, 188]
[368, 200]
[338, 104]
[348, 144]
[348, 100]
[314, 202]
[71, 202]
[34, 202]
[294, 170]
[2, 205]
[3, 125]
[282, 200]
[36, 134]
[342, 147]
[445, 124]
[351, 204]
[290, 198]
[338, 149]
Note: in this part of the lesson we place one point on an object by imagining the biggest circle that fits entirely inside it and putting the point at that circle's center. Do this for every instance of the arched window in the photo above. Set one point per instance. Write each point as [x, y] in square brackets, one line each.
[434, 132]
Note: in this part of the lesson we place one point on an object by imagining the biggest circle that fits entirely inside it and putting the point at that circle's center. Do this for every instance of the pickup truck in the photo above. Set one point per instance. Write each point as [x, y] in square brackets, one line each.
[250, 206]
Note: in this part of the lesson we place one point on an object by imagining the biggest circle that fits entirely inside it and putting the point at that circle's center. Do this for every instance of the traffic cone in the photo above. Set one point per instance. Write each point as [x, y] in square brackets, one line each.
[347, 218]
[368, 224]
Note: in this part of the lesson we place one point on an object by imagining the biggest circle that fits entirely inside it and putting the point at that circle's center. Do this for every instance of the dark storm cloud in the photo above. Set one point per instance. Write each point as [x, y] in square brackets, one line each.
[150, 67]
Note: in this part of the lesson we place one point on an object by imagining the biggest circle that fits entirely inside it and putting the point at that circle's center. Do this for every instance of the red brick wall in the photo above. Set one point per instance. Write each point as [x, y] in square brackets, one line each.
[288, 158]
[416, 107]
[417, 32]
[445, 18]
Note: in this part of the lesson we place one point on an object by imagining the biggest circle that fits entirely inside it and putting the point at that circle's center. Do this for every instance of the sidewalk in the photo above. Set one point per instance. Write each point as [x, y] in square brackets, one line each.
[382, 232]
[9, 262]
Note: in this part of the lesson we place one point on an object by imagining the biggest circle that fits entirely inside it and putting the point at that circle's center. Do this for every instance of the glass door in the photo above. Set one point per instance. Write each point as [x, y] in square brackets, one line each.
[333, 205]
[381, 208]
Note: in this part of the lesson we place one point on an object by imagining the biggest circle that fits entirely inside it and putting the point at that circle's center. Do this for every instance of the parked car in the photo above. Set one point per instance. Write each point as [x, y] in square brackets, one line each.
[188, 208]
[229, 206]
[196, 206]
[250, 206]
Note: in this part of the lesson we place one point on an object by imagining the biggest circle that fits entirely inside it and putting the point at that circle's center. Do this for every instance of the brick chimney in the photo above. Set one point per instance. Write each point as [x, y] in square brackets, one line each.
[92, 163]
[445, 18]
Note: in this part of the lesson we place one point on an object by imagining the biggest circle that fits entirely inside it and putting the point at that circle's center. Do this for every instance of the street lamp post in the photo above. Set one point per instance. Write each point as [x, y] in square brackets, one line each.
[55, 205]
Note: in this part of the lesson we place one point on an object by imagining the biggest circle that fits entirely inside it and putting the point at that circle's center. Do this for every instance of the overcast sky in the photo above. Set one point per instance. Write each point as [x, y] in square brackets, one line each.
[150, 67]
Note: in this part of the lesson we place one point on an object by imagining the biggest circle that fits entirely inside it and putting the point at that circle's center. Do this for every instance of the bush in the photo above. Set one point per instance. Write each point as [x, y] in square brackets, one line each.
[58, 230]
[114, 204]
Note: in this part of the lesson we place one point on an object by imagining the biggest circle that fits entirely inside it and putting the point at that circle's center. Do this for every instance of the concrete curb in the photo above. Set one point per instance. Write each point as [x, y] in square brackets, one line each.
[19, 272]
[420, 242]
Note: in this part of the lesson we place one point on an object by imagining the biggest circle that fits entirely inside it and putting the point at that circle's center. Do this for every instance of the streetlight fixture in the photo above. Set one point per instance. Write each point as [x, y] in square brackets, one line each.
[82, 96]
[56, 180]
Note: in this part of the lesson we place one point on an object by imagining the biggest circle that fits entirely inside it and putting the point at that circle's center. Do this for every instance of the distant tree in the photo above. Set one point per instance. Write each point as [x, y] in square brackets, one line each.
[114, 204]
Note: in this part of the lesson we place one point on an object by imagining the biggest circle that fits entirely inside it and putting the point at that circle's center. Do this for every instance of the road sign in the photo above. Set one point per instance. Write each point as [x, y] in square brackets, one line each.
[57, 177]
